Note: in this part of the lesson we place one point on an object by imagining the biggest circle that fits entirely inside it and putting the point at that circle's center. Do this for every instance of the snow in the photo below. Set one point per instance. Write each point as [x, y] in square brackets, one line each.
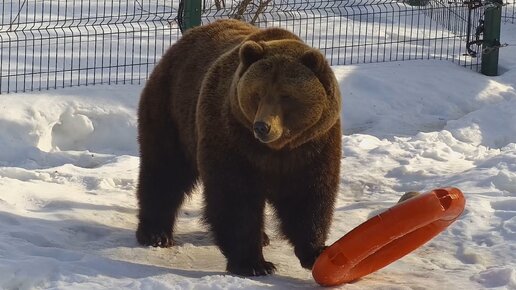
[69, 163]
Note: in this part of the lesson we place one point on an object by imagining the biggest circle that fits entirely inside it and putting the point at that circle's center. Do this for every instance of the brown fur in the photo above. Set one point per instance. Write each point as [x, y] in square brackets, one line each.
[197, 115]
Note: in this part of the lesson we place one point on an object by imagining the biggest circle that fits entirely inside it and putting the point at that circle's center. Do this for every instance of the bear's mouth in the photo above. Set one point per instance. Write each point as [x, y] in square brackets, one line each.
[266, 139]
[276, 142]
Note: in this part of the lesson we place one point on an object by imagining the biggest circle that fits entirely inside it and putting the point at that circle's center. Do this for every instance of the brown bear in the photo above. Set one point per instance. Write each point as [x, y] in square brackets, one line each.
[252, 114]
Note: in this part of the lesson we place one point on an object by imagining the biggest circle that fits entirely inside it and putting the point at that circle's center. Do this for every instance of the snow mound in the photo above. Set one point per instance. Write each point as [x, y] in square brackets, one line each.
[65, 121]
[383, 104]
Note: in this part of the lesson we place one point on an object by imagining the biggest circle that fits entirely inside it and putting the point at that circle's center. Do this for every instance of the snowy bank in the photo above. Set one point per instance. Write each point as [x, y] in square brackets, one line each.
[69, 162]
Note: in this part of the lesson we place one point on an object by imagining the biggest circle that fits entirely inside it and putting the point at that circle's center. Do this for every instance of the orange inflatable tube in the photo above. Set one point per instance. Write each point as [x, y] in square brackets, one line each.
[388, 236]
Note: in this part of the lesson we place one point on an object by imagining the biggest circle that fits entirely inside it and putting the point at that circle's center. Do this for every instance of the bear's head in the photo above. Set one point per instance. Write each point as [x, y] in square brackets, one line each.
[285, 92]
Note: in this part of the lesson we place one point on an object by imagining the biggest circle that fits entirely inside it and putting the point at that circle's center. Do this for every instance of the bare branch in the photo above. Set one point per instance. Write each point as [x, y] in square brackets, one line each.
[261, 7]
[240, 9]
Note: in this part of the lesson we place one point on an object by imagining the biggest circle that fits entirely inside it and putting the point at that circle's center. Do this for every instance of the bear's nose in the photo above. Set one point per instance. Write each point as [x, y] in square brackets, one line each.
[261, 128]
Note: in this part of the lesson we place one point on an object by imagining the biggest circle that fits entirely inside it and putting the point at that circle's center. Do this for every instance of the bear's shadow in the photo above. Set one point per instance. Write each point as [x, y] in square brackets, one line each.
[196, 238]
[67, 241]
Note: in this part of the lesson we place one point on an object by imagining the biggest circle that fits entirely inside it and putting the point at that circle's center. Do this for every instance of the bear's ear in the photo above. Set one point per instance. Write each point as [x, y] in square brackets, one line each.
[314, 60]
[250, 52]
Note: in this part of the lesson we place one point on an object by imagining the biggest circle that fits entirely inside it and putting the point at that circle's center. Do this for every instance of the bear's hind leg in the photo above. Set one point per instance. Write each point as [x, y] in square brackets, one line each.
[165, 178]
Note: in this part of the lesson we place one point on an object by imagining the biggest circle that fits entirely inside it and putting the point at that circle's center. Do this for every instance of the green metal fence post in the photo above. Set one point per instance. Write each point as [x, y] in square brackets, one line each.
[491, 43]
[192, 13]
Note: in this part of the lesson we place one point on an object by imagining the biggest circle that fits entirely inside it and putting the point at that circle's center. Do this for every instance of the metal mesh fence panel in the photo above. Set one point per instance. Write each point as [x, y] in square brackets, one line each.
[362, 31]
[61, 43]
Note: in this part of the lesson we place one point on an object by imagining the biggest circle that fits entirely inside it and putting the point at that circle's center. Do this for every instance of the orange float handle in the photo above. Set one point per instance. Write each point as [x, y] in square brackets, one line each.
[388, 236]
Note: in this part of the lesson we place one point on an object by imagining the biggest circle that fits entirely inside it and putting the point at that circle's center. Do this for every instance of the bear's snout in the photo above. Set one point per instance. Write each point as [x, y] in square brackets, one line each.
[267, 131]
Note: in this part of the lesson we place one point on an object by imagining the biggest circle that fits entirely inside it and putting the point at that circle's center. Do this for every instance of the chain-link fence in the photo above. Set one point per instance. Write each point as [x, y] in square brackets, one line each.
[60, 43]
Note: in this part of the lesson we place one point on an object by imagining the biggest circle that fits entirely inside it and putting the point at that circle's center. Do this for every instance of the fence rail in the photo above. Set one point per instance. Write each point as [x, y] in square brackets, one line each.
[509, 11]
[60, 43]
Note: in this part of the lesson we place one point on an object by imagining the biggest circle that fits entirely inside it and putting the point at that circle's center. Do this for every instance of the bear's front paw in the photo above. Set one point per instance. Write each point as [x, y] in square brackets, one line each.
[154, 236]
[258, 268]
[308, 257]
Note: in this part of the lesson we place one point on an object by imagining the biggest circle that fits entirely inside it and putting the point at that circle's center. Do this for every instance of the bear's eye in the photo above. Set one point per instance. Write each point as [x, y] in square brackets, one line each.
[255, 99]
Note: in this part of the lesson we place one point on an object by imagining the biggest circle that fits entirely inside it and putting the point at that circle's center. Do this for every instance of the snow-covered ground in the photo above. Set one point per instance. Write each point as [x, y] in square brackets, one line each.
[69, 161]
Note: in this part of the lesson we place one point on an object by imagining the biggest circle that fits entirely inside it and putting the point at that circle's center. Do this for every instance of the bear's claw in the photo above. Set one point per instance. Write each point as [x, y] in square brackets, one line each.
[154, 237]
[265, 240]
